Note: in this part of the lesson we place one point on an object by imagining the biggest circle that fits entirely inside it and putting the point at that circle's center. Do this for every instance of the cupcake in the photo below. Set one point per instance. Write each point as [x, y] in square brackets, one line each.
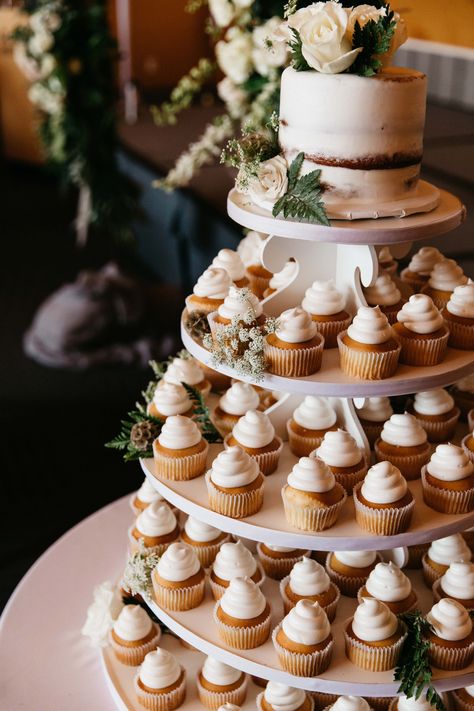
[437, 414]
[280, 280]
[160, 684]
[156, 526]
[368, 349]
[445, 276]
[312, 498]
[404, 443]
[218, 684]
[467, 444]
[459, 317]
[229, 707]
[372, 415]
[180, 451]
[345, 459]
[232, 263]
[448, 480]
[309, 581]
[219, 382]
[170, 399]
[145, 496]
[386, 261]
[421, 265]
[349, 703]
[178, 579]
[280, 697]
[384, 293]
[250, 251]
[457, 583]
[303, 640]
[186, 370]
[205, 540]
[235, 484]
[463, 699]
[255, 434]
[422, 333]
[403, 703]
[349, 570]
[441, 554]
[310, 421]
[383, 502]
[452, 639]
[277, 561]
[322, 699]
[234, 560]
[133, 635]
[209, 291]
[234, 403]
[374, 636]
[391, 586]
[240, 306]
[463, 393]
[327, 308]
[296, 348]
[242, 615]
[415, 555]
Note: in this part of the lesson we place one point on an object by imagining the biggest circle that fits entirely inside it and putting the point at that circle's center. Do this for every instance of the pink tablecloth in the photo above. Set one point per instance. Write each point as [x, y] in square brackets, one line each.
[45, 663]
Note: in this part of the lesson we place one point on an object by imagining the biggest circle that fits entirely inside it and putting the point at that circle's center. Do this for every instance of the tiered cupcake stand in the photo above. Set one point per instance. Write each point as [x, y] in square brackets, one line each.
[345, 252]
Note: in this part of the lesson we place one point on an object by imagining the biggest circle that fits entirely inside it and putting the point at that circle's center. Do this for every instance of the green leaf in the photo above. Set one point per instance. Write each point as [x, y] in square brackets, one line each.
[294, 170]
[302, 200]
[202, 415]
[375, 38]
[298, 61]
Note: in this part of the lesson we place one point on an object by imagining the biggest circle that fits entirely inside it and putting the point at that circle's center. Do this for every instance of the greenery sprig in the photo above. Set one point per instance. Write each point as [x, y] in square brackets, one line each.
[184, 93]
[248, 152]
[375, 38]
[197, 325]
[136, 435]
[137, 575]
[302, 199]
[298, 62]
[201, 415]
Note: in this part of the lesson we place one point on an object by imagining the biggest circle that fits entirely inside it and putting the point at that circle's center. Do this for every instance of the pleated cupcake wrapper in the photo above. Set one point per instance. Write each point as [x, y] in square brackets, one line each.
[293, 362]
[276, 568]
[459, 704]
[178, 599]
[309, 700]
[415, 554]
[242, 637]
[258, 285]
[298, 664]
[469, 452]
[134, 544]
[288, 604]
[439, 431]
[413, 606]
[450, 658]
[409, 464]
[218, 590]
[350, 479]
[224, 424]
[382, 522]
[161, 701]
[447, 500]
[423, 352]
[134, 656]
[372, 430]
[460, 335]
[201, 308]
[214, 699]
[430, 575]
[330, 329]
[371, 658]
[183, 468]
[302, 446]
[367, 365]
[439, 594]
[379, 703]
[348, 584]
[206, 554]
[234, 505]
[470, 419]
[307, 518]
[416, 283]
[267, 461]
[322, 700]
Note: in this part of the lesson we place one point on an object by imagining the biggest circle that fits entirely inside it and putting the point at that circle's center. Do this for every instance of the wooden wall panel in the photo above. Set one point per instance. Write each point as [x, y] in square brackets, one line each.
[438, 20]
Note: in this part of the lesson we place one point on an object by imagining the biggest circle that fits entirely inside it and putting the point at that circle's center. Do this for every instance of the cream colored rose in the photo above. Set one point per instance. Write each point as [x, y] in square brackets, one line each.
[222, 12]
[102, 613]
[325, 45]
[233, 96]
[270, 184]
[362, 14]
[299, 17]
[270, 48]
[234, 55]
[40, 43]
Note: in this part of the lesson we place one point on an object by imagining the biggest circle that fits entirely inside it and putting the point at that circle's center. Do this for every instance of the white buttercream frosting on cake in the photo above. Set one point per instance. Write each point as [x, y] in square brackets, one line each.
[384, 292]
[413, 704]
[373, 621]
[449, 549]
[159, 669]
[315, 413]
[339, 449]
[243, 599]
[423, 261]
[306, 623]
[311, 474]
[132, 624]
[403, 430]
[388, 583]
[446, 275]
[218, 673]
[433, 402]
[200, 531]
[238, 303]
[254, 430]
[461, 302]
[179, 432]
[281, 697]
[234, 560]
[213, 284]
[450, 463]
[179, 562]
[420, 315]
[147, 494]
[308, 577]
[233, 468]
[450, 620]
[239, 398]
[375, 409]
[356, 559]
[458, 580]
[295, 326]
[231, 262]
[156, 520]
[284, 277]
[383, 484]
[323, 299]
[171, 399]
[370, 325]
[350, 703]
[184, 370]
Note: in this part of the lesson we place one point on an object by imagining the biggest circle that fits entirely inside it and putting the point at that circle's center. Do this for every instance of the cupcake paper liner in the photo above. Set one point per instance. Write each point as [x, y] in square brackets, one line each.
[258, 284]
[277, 568]
[382, 522]
[423, 352]
[409, 464]
[439, 431]
[379, 703]
[438, 594]
[224, 423]
[370, 658]
[330, 329]
[322, 700]
[161, 701]
[469, 452]
[206, 554]
[372, 430]
[234, 505]
[243, 637]
[311, 664]
[134, 546]
[430, 575]
[450, 658]
[367, 365]
[470, 419]
[349, 480]
[179, 599]
[302, 446]
[348, 584]
[180, 468]
[329, 609]
[415, 554]
[413, 280]
[309, 702]
[267, 461]
[134, 656]
[206, 309]
[214, 699]
[218, 590]
[460, 335]
[294, 362]
[459, 704]
[308, 518]
[447, 500]
[413, 606]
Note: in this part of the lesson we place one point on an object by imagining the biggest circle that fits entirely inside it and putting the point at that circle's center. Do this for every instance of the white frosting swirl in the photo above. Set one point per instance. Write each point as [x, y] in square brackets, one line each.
[323, 299]
[250, 248]
[449, 550]
[384, 292]
[458, 580]
[179, 432]
[315, 413]
[370, 326]
[306, 623]
[450, 463]
[433, 402]
[403, 431]
[413, 704]
[213, 284]
[373, 621]
[450, 620]
[356, 559]
[281, 697]
[228, 707]
[284, 277]
[183, 370]
[423, 261]
[159, 669]
[466, 384]
[147, 494]
[279, 549]
[388, 583]
[179, 562]
[156, 520]
[446, 275]
[254, 430]
[311, 474]
[200, 531]
[171, 399]
[238, 303]
[383, 484]
[461, 302]
[420, 315]
[234, 560]
[308, 577]
[231, 262]
[239, 398]
[233, 468]
[295, 326]
[132, 624]
[350, 703]
[218, 673]
[385, 256]
[243, 599]
[339, 449]
[469, 690]
[376, 409]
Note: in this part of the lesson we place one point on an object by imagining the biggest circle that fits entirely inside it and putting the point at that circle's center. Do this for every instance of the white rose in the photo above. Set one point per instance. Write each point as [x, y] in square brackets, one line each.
[270, 183]
[222, 12]
[233, 97]
[325, 45]
[270, 48]
[300, 16]
[48, 64]
[40, 42]
[243, 3]
[362, 14]
[234, 55]
[102, 614]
